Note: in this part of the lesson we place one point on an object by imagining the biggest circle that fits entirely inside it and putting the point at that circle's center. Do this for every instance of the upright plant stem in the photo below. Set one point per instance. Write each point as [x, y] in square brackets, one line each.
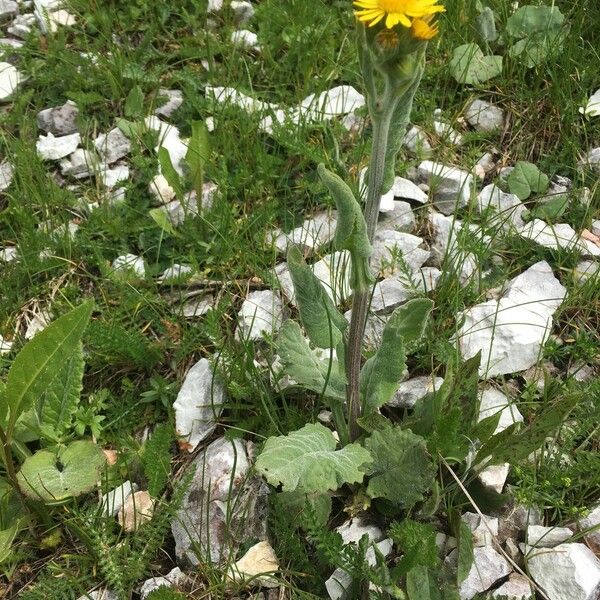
[381, 115]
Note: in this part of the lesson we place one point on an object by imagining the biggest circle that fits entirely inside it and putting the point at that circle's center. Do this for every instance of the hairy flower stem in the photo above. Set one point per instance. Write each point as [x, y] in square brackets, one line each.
[381, 115]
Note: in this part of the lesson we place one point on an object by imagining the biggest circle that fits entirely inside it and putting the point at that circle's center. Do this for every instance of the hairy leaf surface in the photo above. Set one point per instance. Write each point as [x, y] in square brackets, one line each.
[402, 469]
[307, 460]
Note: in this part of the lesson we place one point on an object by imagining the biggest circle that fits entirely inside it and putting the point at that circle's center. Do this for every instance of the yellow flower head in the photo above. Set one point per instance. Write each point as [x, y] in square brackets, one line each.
[398, 11]
[423, 29]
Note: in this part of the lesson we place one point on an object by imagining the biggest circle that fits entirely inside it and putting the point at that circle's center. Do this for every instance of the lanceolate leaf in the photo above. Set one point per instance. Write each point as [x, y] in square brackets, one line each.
[402, 469]
[351, 231]
[307, 460]
[6, 539]
[421, 585]
[382, 373]
[307, 369]
[323, 322]
[55, 477]
[60, 401]
[169, 172]
[197, 155]
[465, 552]
[38, 363]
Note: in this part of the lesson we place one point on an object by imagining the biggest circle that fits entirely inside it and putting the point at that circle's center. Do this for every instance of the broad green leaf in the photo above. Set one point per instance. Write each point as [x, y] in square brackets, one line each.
[469, 65]
[486, 25]
[56, 477]
[465, 552]
[60, 401]
[526, 178]
[421, 585]
[402, 469]
[305, 367]
[382, 373]
[197, 154]
[532, 19]
[161, 218]
[39, 361]
[323, 322]
[307, 460]
[169, 172]
[130, 129]
[537, 48]
[134, 103]
[305, 510]
[550, 210]
[7, 537]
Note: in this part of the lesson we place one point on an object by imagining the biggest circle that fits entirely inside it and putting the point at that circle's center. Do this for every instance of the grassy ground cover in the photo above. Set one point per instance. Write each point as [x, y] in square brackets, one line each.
[138, 347]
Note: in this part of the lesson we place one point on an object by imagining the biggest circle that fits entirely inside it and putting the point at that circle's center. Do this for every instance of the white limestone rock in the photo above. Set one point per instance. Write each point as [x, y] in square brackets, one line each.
[112, 502]
[198, 404]
[386, 203]
[483, 529]
[197, 307]
[113, 145]
[592, 107]
[257, 566]
[5, 346]
[558, 236]
[10, 79]
[54, 148]
[261, 314]
[427, 278]
[80, 164]
[173, 578]
[389, 294]
[6, 175]
[417, 142]
[245, 39]
[547, 537]
[447, 245]
[488, 567]
[566, 572]
[8, 10]
[103, 594]
[494, 477]
[174, 99]
[353, 530]
[130, 263]
[215, 5]
[159, 187]
[592, 160]
[485, 165]
[447, 133]
[8, 254]
[314, 233]
[450, 186]
[518, 587]
[110, 178]
[412, 390]
[337, 101]
[394, 250]
[492, 402]
[59, 120]
[224, 506]
[506, 209]
[175, 272]
[484, 116]
[511, 331]
[170, 139]
[586, 270]
[21, 25]
[400, 218]
[243, 11]
[407, 190]
[592, 520]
